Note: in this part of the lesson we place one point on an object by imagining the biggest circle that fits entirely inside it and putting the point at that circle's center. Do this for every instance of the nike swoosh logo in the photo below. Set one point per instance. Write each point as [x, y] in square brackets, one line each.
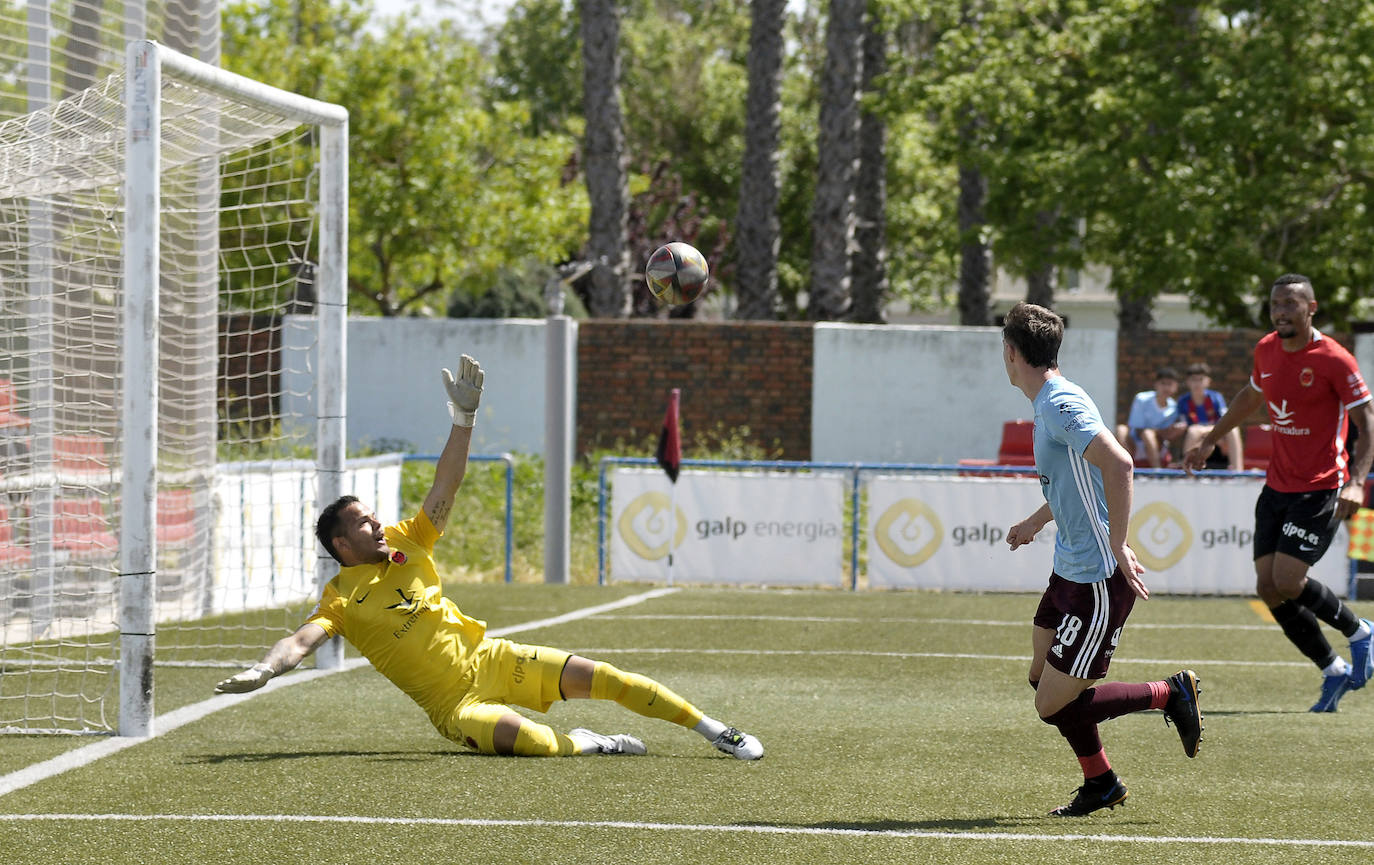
[363, 598]
[1305, 548]
[1265, 374]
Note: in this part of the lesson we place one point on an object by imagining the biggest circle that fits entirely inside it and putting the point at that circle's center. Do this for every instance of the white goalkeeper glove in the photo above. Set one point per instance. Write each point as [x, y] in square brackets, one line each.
[464, 391]
[249, 680]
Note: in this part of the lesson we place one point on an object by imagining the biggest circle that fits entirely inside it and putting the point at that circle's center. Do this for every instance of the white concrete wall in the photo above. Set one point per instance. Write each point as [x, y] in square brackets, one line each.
[396, 393]
[882, 393]
[924, 394]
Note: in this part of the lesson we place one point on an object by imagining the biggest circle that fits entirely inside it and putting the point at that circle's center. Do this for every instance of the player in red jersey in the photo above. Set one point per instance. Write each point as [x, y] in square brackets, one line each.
[1310, 386]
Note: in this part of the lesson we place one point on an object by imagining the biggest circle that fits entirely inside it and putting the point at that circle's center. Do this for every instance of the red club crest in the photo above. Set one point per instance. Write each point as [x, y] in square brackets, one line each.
[398, 557]
[1306, 377]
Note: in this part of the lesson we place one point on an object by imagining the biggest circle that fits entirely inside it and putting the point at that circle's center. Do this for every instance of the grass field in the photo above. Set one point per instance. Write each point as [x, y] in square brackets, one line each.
[898, 728]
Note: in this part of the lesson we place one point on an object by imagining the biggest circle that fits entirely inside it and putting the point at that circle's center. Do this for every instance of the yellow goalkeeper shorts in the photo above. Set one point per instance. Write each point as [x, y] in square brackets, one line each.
[504, 674]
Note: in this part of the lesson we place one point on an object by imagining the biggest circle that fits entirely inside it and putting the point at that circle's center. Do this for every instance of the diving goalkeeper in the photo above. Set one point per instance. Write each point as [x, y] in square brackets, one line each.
[388, 602]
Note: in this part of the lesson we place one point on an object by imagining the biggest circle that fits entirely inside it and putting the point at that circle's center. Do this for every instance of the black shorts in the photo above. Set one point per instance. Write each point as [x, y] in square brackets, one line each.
[1301, 525]
[1087, 619]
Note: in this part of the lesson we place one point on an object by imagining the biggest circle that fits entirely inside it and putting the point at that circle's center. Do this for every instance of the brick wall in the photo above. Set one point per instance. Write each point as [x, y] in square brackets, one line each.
[732, 375]
[1229, 354]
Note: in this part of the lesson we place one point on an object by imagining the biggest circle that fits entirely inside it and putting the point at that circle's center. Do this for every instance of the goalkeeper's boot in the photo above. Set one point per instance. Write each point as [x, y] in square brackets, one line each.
[1183, 710]
[1333, 688]
[741, 746]
[1361, 658]
[1093, 796]
[620, 743]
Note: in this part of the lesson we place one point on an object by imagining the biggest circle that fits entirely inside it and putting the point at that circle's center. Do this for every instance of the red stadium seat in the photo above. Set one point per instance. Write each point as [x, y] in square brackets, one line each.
[176, 514]
[9, 418]
[1018, 443]
[1016, 449]
[80, 454]
[81, 529]
[11, 556]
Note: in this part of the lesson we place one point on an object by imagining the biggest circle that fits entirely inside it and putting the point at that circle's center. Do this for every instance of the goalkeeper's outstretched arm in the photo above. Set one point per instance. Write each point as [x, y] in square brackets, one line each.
[285, 655]
[464, 394]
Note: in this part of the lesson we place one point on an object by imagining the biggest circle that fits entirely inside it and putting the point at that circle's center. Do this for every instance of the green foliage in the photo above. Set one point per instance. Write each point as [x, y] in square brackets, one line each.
[1206, 148]
[538, 61]
[516, 292]
[442, 192]
[13, 35]
[898, 728]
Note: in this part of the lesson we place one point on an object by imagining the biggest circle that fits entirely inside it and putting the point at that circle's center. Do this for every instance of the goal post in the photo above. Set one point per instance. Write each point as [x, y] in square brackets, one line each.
[147, 62]
[159, 232]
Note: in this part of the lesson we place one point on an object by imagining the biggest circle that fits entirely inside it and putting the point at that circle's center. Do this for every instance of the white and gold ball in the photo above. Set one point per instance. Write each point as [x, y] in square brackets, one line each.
[676, 273]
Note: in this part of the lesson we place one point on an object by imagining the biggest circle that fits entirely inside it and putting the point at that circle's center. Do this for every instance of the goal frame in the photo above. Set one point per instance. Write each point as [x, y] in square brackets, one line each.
[146, 62]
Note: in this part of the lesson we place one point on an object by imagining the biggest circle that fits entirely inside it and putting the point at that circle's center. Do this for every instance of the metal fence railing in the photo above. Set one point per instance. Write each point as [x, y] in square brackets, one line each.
[509, 461]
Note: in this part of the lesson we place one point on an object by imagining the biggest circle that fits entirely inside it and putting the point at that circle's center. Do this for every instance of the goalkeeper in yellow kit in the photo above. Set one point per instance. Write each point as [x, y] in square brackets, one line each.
[388, 602]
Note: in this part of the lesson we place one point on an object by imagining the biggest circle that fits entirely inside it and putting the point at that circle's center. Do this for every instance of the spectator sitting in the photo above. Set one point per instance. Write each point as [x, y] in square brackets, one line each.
[1152, 422]
[1199, 409]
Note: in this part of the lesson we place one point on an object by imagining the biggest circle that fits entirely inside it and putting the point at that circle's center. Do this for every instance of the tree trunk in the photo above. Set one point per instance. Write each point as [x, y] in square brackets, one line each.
[1133, 315]
[1040, 279]
[870, 284]
[832, 218]
[758, 231]
[604, 151]
[83, 43]
[975, 259]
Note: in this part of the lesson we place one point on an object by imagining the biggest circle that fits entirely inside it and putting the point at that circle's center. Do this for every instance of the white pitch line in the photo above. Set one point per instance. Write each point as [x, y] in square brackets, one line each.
[993, 623]
[964, 656]
[753, 829]
[170, 721]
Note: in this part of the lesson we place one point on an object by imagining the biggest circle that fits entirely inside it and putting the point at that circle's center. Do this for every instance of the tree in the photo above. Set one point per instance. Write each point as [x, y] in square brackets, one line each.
[1178, 135]
[538, 61]
[975, 257]
[83, 42]
[832, 214]
[604, 160]
[869, 263]
[445, 193]
[757, 234]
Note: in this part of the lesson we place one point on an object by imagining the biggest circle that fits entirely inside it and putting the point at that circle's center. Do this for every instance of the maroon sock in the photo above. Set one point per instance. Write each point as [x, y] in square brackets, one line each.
[1104, 702]
[1083, 739]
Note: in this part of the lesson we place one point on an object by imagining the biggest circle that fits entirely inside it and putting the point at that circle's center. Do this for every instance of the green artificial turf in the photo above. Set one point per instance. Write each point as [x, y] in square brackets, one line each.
[898, 727]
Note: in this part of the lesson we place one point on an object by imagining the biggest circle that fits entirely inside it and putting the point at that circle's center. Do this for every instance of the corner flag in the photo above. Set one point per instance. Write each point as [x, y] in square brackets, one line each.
[670, 439]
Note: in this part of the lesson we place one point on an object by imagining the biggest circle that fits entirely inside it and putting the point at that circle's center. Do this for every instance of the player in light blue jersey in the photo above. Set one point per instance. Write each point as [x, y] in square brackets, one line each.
[1086, 477]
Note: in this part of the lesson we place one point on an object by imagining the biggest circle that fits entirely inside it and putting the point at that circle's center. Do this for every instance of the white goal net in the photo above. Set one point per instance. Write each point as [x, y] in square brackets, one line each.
[158, 231]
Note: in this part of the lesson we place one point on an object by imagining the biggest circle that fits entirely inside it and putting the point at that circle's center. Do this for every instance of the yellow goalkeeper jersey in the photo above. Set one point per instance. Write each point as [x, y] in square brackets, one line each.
[395, 614]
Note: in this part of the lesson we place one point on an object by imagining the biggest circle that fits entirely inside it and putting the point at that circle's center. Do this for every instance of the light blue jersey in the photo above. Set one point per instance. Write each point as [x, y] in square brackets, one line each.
[1066, 421]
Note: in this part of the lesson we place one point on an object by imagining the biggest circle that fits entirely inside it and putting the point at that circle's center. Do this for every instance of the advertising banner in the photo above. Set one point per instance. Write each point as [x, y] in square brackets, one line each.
[1193, 535]
[934, 532]
[747, 528]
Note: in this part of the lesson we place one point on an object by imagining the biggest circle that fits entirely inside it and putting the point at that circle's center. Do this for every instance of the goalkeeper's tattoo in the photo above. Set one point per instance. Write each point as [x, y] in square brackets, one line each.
[440, 512]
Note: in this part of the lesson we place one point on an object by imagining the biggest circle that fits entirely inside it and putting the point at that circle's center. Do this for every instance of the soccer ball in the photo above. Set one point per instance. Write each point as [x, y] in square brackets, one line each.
[676, 273]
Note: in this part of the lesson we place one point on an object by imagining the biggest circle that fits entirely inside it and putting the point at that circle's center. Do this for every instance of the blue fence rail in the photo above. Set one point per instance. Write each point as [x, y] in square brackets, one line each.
[509, 460]
[856, 470]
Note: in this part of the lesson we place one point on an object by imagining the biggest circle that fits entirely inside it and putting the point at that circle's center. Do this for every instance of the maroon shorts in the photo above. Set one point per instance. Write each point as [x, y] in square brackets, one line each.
[1086, 619]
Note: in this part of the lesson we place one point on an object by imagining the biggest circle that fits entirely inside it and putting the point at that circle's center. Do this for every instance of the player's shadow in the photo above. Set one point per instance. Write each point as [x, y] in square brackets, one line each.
[373, 756]
[972, 825]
